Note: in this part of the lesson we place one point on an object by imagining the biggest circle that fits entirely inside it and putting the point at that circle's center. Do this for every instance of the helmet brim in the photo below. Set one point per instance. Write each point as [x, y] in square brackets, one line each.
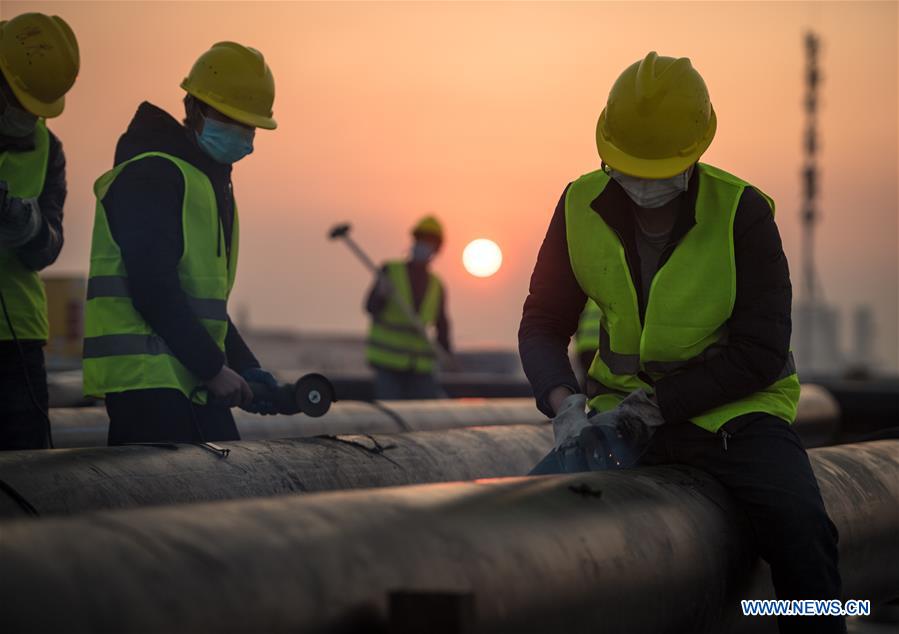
[429, 235]
[241, 116]
[35, 106]
[619, 160]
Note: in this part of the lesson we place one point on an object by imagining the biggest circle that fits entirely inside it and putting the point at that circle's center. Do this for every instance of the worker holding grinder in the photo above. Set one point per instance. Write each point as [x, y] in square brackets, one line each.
[159, 345]
[686, 265]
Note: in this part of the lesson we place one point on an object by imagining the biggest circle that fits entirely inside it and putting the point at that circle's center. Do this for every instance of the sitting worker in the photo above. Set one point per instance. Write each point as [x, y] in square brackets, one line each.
[406, 299]
[693, 367]
[39, 62]
[159, 345]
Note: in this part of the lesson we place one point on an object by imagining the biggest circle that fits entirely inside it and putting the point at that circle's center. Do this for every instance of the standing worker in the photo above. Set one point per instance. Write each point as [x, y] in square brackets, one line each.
[693, 367]
[402, 357]
[39, 62]
[159, 344]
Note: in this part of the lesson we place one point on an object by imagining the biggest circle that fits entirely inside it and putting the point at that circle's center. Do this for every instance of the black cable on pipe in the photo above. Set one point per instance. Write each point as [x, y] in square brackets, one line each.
[399, 420]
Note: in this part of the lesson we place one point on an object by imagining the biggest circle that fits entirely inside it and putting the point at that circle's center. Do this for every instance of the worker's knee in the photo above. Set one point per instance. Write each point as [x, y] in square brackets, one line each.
[802, 526]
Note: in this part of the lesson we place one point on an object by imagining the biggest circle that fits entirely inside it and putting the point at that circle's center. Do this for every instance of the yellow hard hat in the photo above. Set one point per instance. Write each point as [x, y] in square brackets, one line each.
[658, 120]
[39, 59]
[428, 226]
[235, 80]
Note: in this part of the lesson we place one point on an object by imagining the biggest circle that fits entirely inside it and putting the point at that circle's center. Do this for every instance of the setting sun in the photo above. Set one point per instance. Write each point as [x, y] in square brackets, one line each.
[482, 258]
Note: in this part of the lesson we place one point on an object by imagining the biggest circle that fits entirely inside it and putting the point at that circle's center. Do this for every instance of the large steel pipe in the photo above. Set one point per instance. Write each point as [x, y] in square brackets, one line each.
[65, 388]
[69, 481]
[87, 427]
[818, 417]
[66, 482]
[817, 421]
[653, 550]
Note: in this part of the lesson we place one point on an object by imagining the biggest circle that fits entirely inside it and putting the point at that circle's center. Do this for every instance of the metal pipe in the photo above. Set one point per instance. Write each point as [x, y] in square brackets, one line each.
[88, 426]
[68, 482]
[652, 550]
[71, 481]
[817, 423]
[818, 417]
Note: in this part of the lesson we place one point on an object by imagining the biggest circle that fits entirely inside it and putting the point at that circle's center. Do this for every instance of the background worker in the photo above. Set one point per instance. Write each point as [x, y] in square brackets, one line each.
[159, 341]
[686, 264]
[403, 359]
[38, 64]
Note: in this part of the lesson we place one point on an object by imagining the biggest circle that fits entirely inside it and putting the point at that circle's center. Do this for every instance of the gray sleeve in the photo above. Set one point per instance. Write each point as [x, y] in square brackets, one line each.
[42, 250]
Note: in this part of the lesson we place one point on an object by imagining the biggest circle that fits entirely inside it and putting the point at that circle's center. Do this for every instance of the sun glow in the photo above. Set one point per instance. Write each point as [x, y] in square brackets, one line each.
[482, 257]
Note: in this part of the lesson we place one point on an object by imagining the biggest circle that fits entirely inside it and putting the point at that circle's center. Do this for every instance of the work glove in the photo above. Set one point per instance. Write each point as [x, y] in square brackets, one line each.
[20, 219]
[262, 403]
[613, 439]
[630, 426]
[570, 420]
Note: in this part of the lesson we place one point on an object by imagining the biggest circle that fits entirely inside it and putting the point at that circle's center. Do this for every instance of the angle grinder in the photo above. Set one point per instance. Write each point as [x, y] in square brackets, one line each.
[311, 395]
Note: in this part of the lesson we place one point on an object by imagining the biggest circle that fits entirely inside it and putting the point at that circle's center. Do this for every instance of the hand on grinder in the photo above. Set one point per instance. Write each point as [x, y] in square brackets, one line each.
[630, 426]
[262, 403]
[228, 388]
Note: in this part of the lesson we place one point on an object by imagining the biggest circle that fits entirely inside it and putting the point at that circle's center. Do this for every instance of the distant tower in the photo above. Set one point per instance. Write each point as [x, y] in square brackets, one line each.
[807, 338]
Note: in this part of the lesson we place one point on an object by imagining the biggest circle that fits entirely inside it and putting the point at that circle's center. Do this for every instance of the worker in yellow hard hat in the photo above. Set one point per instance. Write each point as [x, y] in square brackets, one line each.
[685, 263]
[159, 344]
[38, 65]
[405, 301]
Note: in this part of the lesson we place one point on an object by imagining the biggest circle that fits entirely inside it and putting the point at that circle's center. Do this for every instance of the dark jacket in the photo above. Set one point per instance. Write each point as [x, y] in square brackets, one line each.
[759, 327]
[43, 249]
[418, 279]
[143, 207]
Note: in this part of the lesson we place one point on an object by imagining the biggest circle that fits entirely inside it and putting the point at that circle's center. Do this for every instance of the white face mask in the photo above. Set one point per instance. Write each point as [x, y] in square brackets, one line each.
[653, 192]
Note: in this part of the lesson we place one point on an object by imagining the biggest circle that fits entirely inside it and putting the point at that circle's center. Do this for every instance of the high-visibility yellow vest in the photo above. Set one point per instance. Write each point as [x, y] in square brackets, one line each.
[586, 339]
[690, 299]
[394, 342]
[121, 350]
[23, 291]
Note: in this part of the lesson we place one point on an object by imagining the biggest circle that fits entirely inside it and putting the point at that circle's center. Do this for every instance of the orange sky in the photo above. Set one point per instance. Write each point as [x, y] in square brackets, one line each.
[481, 113]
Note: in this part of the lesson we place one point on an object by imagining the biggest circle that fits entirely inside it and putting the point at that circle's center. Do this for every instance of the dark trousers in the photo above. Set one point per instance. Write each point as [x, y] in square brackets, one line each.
[767, 471]
[165, 415]
[391, 385]
[22, 424]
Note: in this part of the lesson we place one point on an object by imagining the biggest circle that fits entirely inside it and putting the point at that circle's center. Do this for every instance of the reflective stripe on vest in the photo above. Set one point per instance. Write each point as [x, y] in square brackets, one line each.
[22, 288]
[630, 363]
[690, 300]
[121, 351]
[116, 286]
[586, 339]
[121, 345]
[394, 342]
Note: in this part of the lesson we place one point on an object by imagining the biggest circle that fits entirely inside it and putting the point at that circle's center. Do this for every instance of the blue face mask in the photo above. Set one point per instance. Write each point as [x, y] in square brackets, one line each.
[422, 252]
[225, 142]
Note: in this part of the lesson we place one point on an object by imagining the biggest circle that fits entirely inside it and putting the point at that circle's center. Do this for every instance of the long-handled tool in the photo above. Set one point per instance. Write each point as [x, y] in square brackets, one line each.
[342, 232]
